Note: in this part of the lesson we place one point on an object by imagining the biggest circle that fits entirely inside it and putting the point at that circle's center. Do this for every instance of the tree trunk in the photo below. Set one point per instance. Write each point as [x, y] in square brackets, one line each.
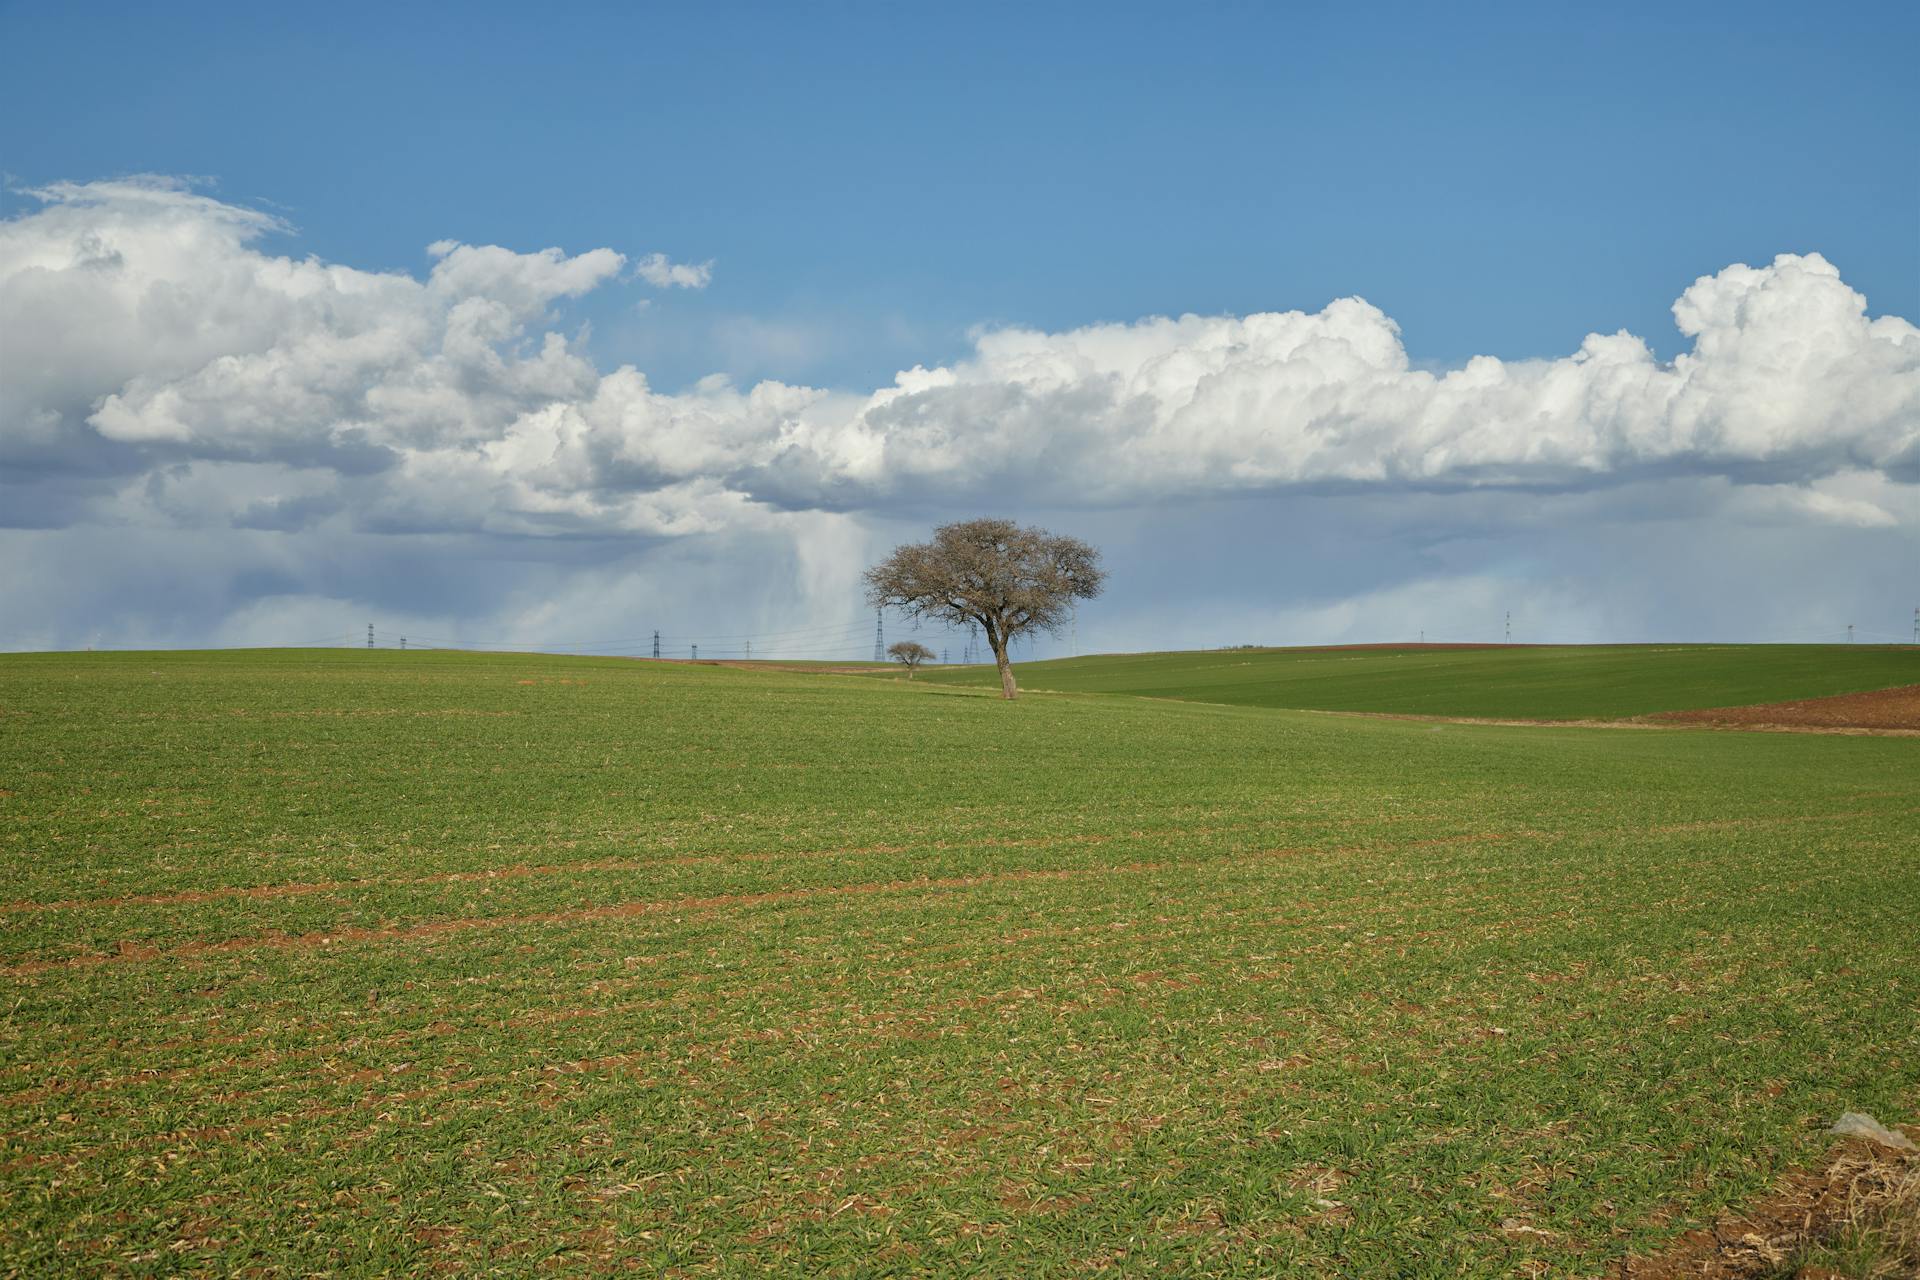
[1007, 688]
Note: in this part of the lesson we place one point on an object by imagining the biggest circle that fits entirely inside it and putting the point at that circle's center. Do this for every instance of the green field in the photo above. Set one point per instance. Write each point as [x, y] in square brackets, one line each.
[1558, 682]
[370, 963]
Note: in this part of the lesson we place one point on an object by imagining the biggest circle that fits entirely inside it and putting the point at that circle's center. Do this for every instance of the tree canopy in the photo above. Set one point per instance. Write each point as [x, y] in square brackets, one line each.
[909, 654]
[1007, 579]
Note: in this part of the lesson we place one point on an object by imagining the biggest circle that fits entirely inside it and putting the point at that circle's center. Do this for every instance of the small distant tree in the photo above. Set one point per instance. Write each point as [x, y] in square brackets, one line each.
[1005, 579]
[910, 654]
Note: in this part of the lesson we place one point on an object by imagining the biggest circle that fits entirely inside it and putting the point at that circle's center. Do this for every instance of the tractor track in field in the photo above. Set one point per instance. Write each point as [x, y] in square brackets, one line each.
[275, 940]
[524, 870]
[131, 952]
[516, 871]
[456, 1078]
[462, 924]
[1097, 936]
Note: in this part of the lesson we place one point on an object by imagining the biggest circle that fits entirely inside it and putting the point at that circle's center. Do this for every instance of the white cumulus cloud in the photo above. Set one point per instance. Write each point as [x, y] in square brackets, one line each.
[663, 273]
[149, 315]
[165, 367]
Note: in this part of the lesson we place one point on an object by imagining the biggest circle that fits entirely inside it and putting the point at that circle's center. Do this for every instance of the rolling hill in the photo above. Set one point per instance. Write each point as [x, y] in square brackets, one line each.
[1547, 682]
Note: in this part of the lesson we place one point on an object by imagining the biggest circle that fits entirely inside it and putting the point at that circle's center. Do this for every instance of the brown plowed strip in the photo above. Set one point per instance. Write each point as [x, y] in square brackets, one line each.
[1809, 1206]
[295, 888]
[279, 941]
[1884, 711]
[1089, 939]
[434, 928]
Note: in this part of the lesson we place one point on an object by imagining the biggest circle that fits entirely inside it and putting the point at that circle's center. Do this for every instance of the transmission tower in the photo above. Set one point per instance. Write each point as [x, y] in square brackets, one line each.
[1916, 625]
[403, 644]
[656, 644]
[369, 635]
[879, 636]
[1509, 628]
[696, 653]
[749, 651]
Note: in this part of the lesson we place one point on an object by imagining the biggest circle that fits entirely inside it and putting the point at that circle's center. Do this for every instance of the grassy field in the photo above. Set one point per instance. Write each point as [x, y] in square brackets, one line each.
[1559, 682]
[369, 963]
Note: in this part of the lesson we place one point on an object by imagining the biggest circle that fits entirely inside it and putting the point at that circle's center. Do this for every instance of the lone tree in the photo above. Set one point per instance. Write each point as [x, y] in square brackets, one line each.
[910, 654]
[1007, 580]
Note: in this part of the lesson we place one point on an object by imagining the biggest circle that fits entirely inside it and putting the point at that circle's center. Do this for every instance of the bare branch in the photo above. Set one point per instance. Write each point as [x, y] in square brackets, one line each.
[1008, 579]
[910, 654]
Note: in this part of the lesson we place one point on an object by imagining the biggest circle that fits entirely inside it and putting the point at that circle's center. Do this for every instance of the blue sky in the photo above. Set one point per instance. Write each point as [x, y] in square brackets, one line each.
[872, 180]
[877, 186]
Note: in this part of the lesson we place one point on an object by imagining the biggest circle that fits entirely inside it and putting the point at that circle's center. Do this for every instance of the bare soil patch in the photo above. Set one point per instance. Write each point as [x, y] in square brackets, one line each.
[1881, 711]
[1864, 1188]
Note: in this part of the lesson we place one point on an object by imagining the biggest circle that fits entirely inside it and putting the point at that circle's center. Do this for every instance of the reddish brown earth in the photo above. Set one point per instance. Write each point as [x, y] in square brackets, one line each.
[1809, 1206]
[1882, 711]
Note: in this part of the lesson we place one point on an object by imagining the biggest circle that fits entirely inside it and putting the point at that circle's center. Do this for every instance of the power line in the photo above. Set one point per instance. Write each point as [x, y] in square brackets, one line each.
[825, 633]
[601, 646]
[798, 631]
